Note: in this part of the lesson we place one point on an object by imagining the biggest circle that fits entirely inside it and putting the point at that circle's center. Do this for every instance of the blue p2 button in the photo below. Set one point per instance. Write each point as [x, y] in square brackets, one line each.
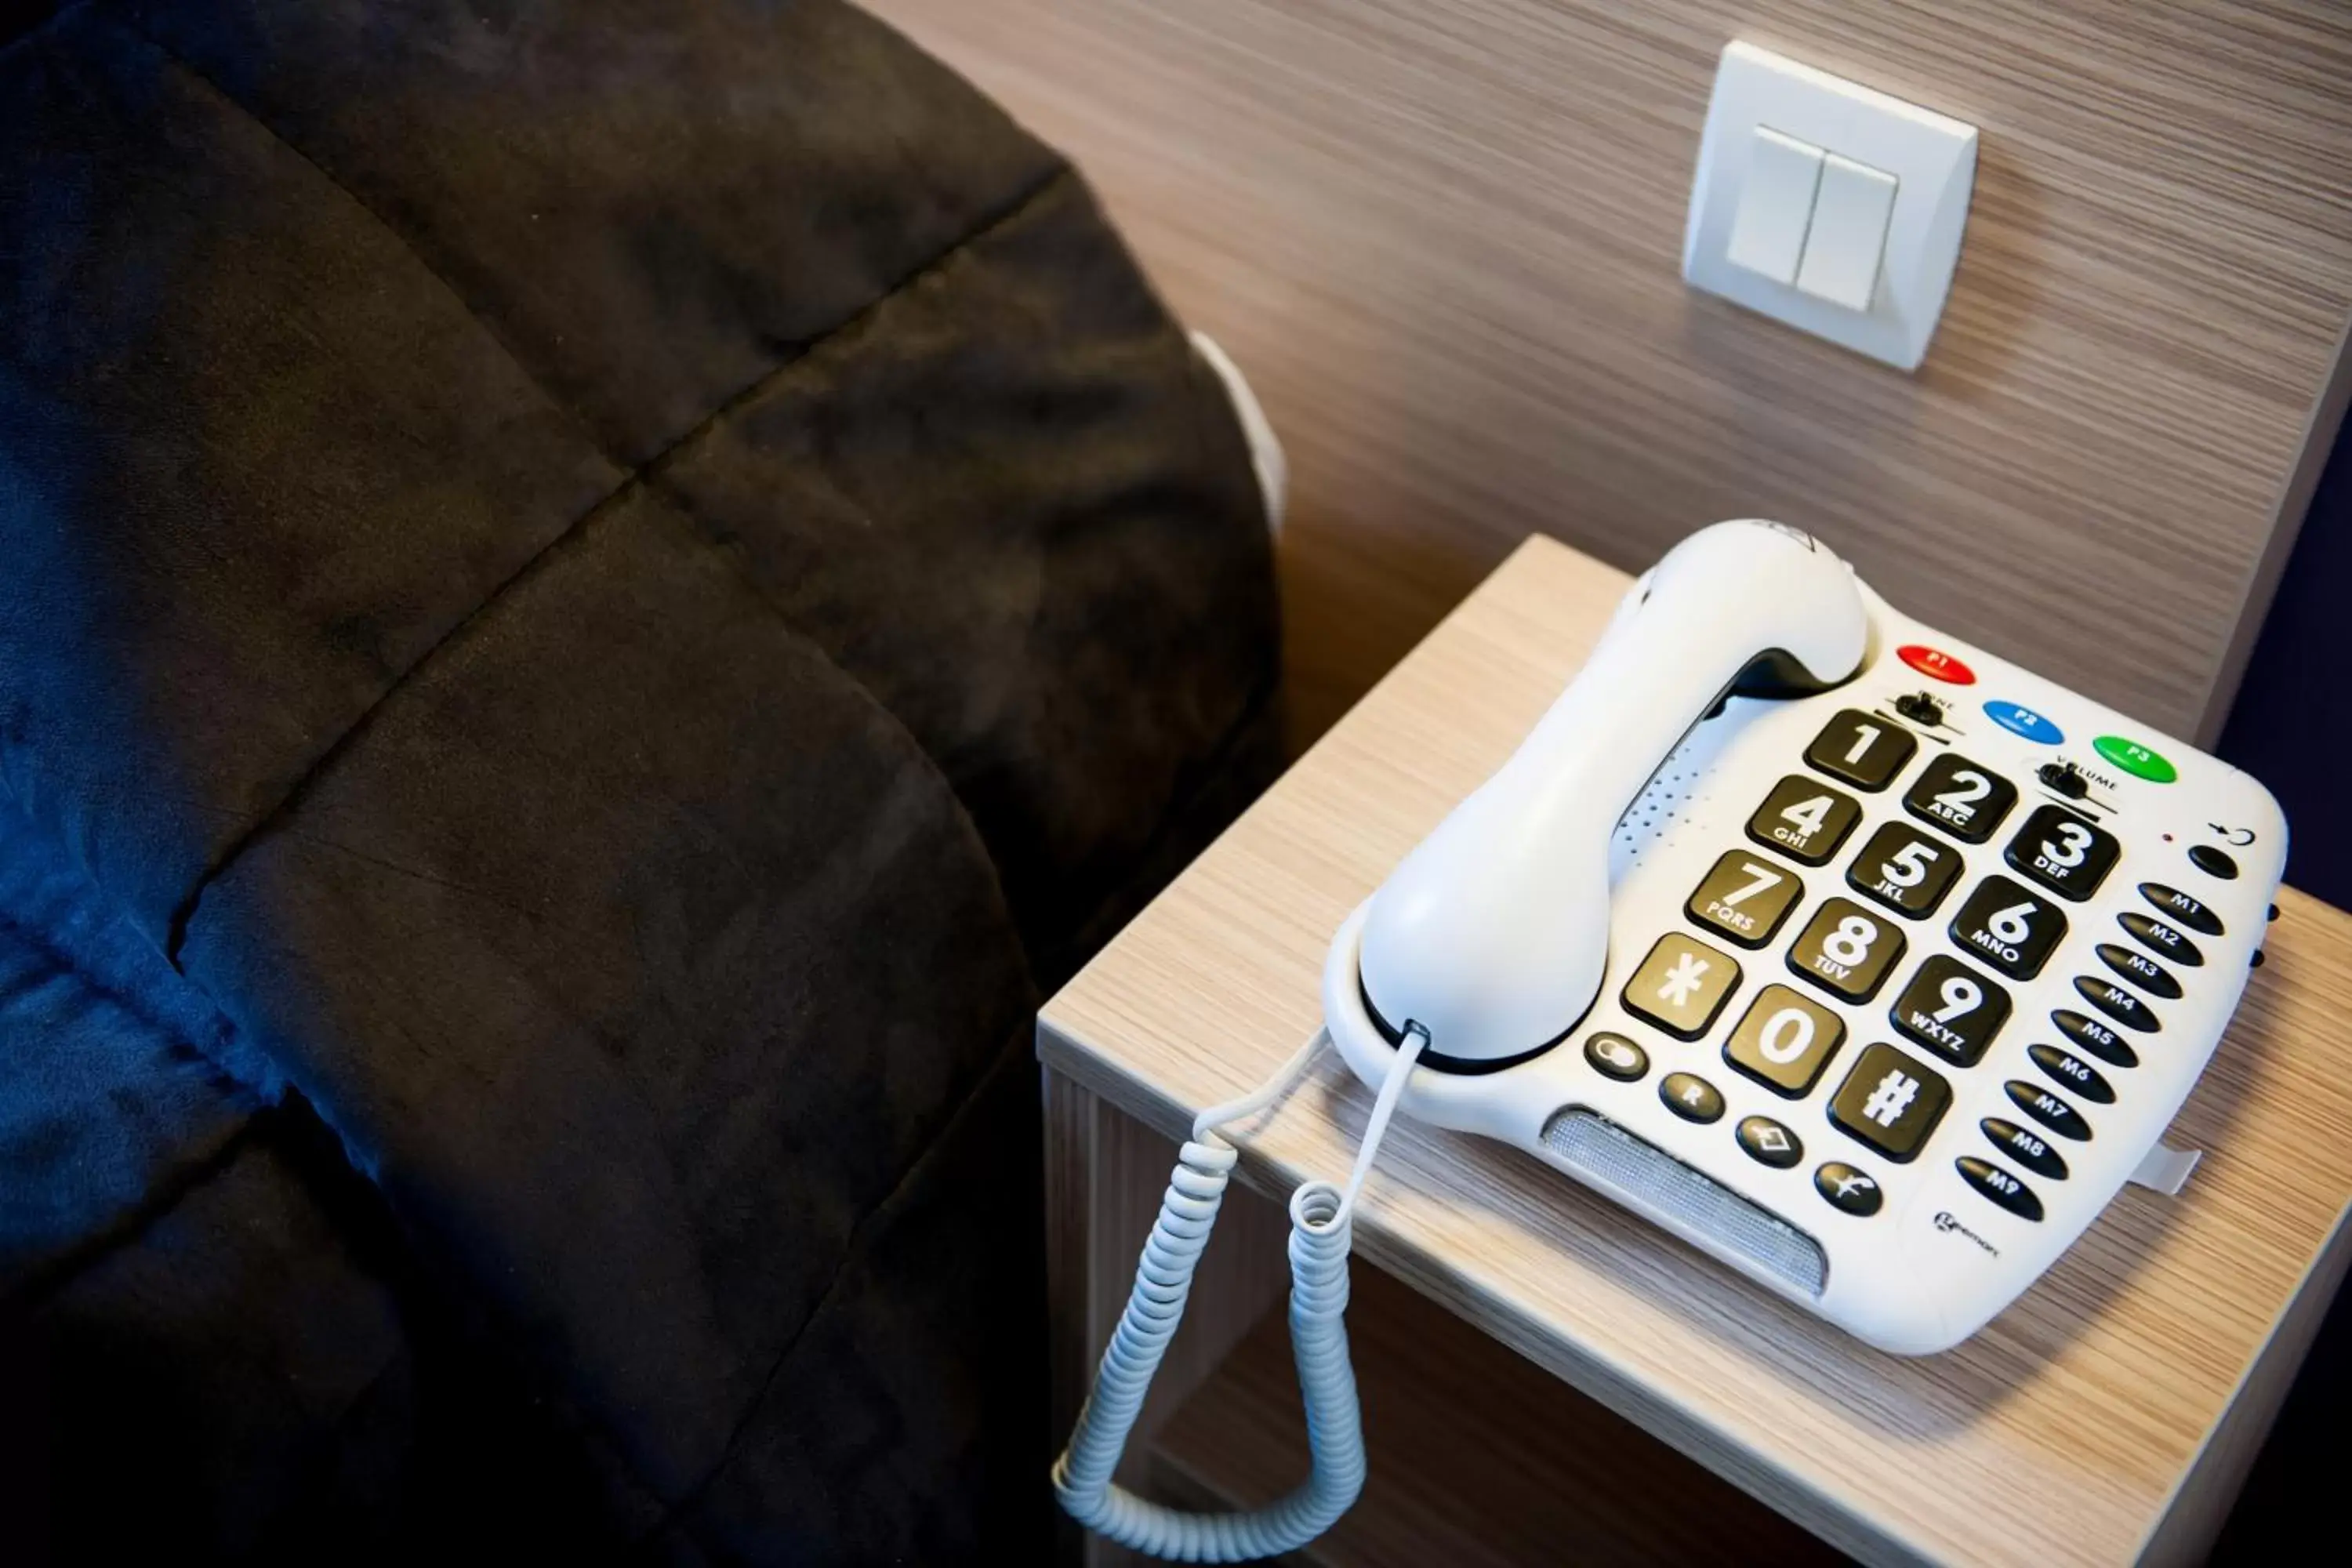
[2025, 721]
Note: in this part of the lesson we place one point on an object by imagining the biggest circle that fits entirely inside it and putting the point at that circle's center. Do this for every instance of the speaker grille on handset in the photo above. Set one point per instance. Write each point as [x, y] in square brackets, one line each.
[1591, 1146]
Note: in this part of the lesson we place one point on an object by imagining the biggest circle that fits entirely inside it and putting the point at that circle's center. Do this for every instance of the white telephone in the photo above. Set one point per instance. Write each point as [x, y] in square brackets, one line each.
[1868, 962]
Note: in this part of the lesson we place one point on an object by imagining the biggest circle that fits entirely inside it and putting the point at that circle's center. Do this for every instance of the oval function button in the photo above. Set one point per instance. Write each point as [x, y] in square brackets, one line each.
[2178, 906]
[2135, 759]
[1691, 1097]
[2019, 720]
[1614, 1056]
[2000, 1187]
[2133, 964]
[2074, 1072]
[1847, 1188]
[2030, 1150]
[2169, 940]
[2048, 1110]
[2116, 1003]
[2214, 862]
[1768, 1142]
[1935, 662]
[2096, 1037]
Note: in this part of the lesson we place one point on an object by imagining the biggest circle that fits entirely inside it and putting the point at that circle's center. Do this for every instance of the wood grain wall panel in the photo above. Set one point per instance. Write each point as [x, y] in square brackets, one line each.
[1442, 236]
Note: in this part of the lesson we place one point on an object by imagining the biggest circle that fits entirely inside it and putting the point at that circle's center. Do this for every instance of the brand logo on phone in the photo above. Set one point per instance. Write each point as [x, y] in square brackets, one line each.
[1947, 1221]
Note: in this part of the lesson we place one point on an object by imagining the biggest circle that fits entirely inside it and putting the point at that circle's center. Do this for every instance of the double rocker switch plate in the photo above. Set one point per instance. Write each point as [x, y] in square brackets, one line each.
[1813, 219]
[1834, 208]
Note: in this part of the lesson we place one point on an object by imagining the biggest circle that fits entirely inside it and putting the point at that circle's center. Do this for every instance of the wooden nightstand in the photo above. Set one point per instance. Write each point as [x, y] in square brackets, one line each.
[2107, 1416]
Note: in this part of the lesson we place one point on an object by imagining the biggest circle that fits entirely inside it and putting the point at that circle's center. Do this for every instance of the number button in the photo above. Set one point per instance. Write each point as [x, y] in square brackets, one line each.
[1951, 1010]
[2009, 927]
[1847, 949]
[1785, 1041]
[1745, 898]
[2063, 852]
[1891, 1102]
[1964, 798]
[1904, 869]
[1804, 819]
[1682, 985]
[1865, 752]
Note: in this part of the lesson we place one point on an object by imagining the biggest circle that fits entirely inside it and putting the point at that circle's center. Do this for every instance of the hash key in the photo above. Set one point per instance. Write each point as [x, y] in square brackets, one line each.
[1891, 1102]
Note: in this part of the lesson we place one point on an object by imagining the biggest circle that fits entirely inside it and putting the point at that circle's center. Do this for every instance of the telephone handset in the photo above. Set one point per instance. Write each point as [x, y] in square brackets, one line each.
[1493, 933]
[1879, 1004]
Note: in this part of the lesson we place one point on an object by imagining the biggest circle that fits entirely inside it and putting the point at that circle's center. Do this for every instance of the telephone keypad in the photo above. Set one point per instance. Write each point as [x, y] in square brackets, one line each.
[1682, 985]
[2064, 852]
[1784, 1041]
[1891, 1101]
[1965, 799]
[1863, 749]
[1804, 819]
[1846, 950]
[1951, 1009]
[1906, 870]
[1745, 897]
[1948, 1008]
[2009, 926]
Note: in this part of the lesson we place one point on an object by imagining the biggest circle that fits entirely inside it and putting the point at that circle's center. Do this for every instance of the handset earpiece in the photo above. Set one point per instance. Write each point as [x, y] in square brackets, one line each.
[1492, 934]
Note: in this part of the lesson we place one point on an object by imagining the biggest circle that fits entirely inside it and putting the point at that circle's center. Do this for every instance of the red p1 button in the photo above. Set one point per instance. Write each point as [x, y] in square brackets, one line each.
[1935, 662]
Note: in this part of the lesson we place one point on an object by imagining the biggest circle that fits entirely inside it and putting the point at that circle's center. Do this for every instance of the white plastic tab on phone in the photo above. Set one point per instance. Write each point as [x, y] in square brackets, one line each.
[2166, 1169]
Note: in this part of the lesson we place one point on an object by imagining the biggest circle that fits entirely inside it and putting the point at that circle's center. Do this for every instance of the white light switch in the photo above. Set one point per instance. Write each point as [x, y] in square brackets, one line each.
[1776, 202]
[1878, 238]
[1848, 234]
